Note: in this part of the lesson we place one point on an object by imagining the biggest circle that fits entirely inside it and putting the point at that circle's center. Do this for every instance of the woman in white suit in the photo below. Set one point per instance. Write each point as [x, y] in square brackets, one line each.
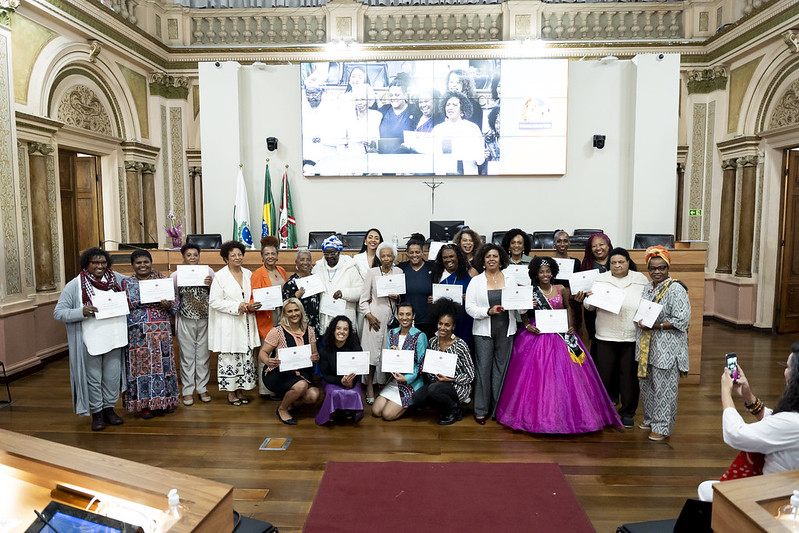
[232, 330]
[341, 279]
[493, 327]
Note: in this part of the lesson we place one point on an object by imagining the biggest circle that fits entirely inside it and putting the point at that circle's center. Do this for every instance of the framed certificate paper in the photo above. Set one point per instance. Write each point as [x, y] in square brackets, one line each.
[155, 290]
[582, 281]
[451, 292]
[517, 297]
[312, 285]
[648, 312]
[552, 320]
[192, 275]
[352, 363]
[393, 284]
[110, 304]
[606, 296]
[397, 361]
[268, 297]
[436, 362]
[295, 357]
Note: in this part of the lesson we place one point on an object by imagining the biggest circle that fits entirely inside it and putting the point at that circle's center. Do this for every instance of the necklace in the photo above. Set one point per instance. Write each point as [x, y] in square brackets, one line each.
[549, 292]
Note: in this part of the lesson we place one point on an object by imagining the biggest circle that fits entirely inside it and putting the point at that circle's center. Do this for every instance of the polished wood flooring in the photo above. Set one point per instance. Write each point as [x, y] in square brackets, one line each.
[618, 475]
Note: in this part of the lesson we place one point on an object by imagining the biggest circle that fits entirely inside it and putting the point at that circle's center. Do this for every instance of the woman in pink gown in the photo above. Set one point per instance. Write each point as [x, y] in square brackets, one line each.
[552, 385]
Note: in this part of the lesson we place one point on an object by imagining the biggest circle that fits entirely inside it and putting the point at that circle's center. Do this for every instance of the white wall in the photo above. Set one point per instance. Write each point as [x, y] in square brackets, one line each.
[633, 105]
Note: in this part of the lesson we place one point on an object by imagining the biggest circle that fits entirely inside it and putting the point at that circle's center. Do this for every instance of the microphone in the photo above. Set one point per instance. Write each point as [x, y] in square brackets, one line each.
[127, 244]
[153, 239]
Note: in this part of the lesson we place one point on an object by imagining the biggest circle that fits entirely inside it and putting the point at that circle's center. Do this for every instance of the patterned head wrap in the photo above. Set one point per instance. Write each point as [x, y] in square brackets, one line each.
[658, 251]
[332, 242]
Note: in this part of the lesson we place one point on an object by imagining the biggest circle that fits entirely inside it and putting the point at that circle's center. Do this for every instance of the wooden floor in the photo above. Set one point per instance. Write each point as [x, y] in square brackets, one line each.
[618, 476]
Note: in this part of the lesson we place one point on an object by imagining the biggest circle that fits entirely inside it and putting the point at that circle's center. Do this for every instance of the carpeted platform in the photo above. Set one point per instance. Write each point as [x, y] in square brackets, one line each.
[442, 497]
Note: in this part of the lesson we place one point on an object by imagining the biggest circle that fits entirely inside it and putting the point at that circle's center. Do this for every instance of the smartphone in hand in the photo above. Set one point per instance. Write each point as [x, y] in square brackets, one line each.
[732, 365]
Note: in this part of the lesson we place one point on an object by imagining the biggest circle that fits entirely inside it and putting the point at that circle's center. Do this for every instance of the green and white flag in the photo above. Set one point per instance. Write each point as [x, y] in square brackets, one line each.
[287, 224]
[241, 213]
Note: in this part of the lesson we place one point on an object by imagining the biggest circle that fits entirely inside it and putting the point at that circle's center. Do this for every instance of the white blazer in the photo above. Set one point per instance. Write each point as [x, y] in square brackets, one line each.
[227, 329]
[347, 280]
[477, 305]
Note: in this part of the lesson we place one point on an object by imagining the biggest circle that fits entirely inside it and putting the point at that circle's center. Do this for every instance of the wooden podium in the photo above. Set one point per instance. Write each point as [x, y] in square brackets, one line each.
[34, 471]
[750, 504]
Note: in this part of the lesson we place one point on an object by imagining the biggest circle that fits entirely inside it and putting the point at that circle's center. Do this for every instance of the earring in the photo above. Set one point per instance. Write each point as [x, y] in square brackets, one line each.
[452, 336]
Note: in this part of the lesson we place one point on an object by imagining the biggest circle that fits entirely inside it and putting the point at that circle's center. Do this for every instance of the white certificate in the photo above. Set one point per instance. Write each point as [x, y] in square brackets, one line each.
[432, 251]
[312, 285]
[294, 357]
[397, 361]
[552, 320]
[582, 281]
[648, 312]
[352, 363]
[606, 296]
[565, 267]
[192, 275]
[519, 273]
[517, 298]
[155, 290]
[330, 307]
[392, 284]
[110, 304]
[451, 292]
[443, 363]
[269, 297]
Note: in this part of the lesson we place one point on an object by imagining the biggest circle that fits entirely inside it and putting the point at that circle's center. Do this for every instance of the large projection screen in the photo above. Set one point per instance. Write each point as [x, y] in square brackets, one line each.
[443, 117]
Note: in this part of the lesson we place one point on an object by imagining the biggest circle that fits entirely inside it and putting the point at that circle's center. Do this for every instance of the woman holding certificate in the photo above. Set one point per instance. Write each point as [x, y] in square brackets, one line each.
[367, 258]
[516, 244]
[447, 392]
[231, 324]
[294, 383]
[493, 328]
[459, 145]
[418, 282]
[268, 275]
[469, 241]
[303, 262]
[377, 309]
[343, 393]
[552, 384]
[150, 362]
[342, 282]
[452, 268]
[661, 348]
[397, 395]
[596, 258]
[618, 295]
[96, 344]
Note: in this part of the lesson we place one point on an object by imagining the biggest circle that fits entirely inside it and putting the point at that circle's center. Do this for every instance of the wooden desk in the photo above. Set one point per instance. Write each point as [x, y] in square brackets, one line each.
[750, 504]
[687, 265]
[31, 468]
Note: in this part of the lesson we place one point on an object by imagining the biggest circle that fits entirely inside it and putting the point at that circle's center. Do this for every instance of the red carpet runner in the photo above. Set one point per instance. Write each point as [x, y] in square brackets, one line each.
[442, 497]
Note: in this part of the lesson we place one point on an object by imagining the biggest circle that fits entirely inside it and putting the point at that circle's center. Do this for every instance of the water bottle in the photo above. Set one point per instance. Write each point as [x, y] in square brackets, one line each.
[787, 514]
[173, 513]
[395, 240]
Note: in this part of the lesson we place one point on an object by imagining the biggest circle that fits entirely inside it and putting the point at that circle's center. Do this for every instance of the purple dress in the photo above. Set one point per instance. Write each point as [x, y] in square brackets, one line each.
[546, 391]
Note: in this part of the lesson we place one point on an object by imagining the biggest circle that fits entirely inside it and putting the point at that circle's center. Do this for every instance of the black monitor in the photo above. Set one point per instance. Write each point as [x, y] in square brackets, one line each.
[206, 241]
[66, 519]
[444, 230]
[138, 245]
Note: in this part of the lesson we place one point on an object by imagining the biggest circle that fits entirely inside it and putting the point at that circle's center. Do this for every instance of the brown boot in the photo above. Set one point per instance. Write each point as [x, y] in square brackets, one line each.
[97, 421]
[111, 417]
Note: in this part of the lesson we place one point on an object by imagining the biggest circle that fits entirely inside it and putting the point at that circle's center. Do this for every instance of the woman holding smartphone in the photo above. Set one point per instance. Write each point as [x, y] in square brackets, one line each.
[662, 350]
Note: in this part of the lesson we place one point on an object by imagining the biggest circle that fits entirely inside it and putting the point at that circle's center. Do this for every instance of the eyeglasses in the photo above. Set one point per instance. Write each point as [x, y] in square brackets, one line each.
[103, 262]
[661, 268]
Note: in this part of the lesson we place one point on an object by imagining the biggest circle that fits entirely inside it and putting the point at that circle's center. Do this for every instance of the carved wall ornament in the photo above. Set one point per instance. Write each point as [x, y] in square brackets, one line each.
[6, 8]
[707, 80]
[95, 47]
[196, 171]
[791, 39]
[134, 165]
[148, 168]
[81, 108]
[729, 164]
[786, 111]
[748, 161]
[163, 84]
[39, 149]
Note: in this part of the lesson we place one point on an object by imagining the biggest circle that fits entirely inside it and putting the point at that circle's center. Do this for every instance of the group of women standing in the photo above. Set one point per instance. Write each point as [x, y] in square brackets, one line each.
[526, 379]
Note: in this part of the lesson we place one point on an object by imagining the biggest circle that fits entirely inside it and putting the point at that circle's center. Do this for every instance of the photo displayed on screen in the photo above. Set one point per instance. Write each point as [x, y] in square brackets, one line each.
[442, 117]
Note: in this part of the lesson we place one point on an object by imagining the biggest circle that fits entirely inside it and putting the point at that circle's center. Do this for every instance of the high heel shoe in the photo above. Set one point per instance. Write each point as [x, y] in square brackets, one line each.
[291, 421]
[480, 420]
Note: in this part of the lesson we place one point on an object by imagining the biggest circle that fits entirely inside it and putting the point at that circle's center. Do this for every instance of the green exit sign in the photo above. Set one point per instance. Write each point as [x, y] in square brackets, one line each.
[695, 212]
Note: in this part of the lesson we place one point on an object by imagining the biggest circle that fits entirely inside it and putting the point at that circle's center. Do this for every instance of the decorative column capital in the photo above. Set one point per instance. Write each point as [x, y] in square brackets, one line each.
[707, 80]
[748, 161]
[170, 87]
[95, 47]
[148, 168]
[196, 171]
[791, 39]
[7, 7]
[133, 165]
[729, 164]
[35, 148]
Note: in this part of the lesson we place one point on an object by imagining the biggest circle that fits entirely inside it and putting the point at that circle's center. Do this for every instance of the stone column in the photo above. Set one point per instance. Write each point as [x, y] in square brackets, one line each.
[148, 202]
[38, 153]
[726, 216]
[746, 222]
[132, 169]
[196, 186]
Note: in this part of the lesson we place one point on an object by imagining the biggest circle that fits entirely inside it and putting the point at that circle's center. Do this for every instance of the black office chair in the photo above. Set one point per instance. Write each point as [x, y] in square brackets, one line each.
[316, 238]
[497, 236]
[353, 240]
[5, 380]
[645, 240]
[577, 242]
[586, 231]
[544, 240]
[206, 241]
